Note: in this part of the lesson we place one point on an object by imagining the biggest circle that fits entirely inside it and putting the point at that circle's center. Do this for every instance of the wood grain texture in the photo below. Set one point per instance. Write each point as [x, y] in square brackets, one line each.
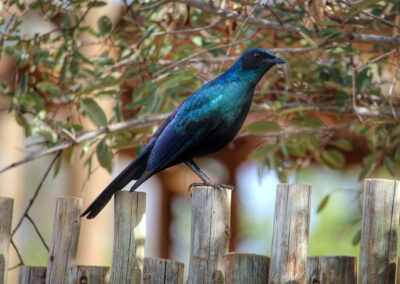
[210, 234]
[378, 250]
[332, 269]
[159, 270]
[290, 236]
[64, 242]
[129, 237]
[32, 275]
[246, 268]
[89, 274]
[6, 213]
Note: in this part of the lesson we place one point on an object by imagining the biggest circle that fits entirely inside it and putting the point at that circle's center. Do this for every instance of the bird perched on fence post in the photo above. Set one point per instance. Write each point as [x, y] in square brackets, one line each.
[204, 123]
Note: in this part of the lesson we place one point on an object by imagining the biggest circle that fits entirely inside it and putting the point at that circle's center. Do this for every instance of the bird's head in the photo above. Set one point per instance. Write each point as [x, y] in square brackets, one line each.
[259, 59]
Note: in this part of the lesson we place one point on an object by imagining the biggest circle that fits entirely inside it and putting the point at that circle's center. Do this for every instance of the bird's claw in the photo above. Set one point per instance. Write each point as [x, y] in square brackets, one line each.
[216, 186]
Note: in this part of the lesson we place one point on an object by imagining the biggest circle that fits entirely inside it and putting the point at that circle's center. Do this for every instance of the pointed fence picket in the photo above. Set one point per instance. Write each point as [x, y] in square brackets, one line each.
[210, 261]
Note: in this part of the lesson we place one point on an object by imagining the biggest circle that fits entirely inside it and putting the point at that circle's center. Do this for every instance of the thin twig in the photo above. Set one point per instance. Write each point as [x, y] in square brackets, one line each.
[37, 231]
[237, 34]
[193, 30]
[35, 194]
[183, 60]
[21, 262]
[375, 59]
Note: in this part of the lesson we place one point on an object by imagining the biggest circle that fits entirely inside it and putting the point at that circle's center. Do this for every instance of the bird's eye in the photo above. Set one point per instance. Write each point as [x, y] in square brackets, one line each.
[257, 54]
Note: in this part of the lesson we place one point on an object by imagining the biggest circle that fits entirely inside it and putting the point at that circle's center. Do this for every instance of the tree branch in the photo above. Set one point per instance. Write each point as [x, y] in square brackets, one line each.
[271, 25]
[131, 124]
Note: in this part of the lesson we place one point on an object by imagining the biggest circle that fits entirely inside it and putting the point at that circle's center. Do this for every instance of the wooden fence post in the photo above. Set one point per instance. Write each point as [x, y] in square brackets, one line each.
[210, 233]
[378, 251]
[246, 268]
[6, 213]
[159, 270]
[32, 275]
[290, 235]
[64, 242]
[89, 274]
[129, 237]
[332, 269]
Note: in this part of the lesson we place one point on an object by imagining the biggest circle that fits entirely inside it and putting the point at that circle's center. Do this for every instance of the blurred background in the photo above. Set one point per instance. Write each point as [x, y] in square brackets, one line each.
[85, 84]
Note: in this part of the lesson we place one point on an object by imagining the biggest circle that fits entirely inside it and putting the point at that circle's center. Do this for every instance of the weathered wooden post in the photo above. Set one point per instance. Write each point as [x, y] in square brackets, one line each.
[378, 251]
[32, 275]
[210, 233]
[64, 242]
[332, 269]
[159, 270]
[246, 268]
[290, 236]
[129, 237]
[6, 213]
[89, 274]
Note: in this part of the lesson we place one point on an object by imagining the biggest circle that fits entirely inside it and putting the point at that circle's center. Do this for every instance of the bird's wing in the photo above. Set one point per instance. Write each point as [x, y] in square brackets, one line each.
[194, 119]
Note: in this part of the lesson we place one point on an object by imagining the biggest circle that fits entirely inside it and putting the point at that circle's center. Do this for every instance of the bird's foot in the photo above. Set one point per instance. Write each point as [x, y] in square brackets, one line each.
[216, 186]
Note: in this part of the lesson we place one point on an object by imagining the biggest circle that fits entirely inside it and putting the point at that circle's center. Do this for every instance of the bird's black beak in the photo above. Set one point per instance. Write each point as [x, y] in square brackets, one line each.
[275, 60]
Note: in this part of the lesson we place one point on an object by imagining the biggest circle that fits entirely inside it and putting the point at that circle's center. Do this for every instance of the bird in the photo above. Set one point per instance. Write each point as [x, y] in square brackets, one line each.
[202, 124]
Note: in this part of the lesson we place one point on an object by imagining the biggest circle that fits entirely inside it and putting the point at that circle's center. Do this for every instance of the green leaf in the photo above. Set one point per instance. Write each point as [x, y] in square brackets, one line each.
[369, 166]
[9, 50]
[263, 152]
[307, 122]
[397, 154]
[363, 80]
[261, 127]
[389, 165]
[323, 203]
[104, 23]
[342, 144]
[104, 155]
[333, 159]
[357, 238]
[23, 83]
[95, 112]
[57, 166]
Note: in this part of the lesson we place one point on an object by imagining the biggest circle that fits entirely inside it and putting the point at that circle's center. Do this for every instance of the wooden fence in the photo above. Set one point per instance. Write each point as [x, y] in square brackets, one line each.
[210, 261]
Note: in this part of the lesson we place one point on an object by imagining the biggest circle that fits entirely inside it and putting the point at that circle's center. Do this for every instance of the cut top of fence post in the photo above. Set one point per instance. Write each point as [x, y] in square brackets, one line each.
[210, 234]
[378, 251]
[6, 213]
[64, 242]
[290, 235]
[159, 270]
[332, 269]
[129, 237]
[246, 268]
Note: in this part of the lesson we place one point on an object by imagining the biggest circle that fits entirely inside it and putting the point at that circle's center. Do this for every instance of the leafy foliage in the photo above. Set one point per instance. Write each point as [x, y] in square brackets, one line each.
[156, 54]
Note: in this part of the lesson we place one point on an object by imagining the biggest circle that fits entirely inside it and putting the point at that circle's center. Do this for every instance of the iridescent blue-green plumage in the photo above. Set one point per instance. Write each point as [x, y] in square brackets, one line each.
[202, 124]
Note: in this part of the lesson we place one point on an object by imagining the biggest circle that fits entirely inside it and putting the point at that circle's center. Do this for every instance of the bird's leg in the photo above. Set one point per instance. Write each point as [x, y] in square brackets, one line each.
[206, 180]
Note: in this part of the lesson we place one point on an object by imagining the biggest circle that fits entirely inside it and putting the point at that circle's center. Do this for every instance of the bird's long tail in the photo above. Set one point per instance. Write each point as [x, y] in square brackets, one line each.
[131, 172]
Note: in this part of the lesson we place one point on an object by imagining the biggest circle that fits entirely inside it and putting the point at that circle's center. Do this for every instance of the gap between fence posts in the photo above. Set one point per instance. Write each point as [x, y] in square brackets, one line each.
[210, 233]
[290, 236]
[159, 270]
[32, 274]
[378, 250]
[129, 237]
[332, 269]
[64, 242]
[246, 268]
